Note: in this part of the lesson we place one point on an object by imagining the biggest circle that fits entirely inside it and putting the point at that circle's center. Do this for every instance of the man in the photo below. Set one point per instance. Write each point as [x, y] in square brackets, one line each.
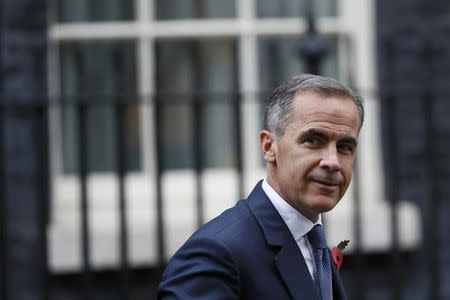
[271, 245]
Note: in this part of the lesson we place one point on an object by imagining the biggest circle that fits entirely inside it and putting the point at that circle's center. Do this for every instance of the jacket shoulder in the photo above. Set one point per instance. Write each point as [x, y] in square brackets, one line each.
[205, 267]
[233, 221]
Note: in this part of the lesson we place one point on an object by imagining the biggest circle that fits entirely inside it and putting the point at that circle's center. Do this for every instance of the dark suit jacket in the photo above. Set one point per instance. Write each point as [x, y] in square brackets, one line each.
[247, 252]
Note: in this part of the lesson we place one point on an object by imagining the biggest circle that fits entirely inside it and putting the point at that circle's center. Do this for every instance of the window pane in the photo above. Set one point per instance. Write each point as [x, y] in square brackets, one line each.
[101, 74]
[203, 71]
[94, 10]
[295, 8]
[188, 9]
[279, 60]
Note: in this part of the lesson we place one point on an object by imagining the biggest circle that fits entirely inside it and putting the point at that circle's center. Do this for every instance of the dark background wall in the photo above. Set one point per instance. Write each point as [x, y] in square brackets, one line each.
[414, 75]
[23, 184]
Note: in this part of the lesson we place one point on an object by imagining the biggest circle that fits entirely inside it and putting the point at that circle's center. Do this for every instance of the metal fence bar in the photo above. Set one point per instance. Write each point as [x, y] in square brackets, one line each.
[121, 135]
[237, 110]
[389, 101]
[87, 287]
[161, 245]
[44, 195]
[198, 76]
[198, 156]
[3, 206]
[357, 231]
[397, 278]
[3, 209]
[431, 204]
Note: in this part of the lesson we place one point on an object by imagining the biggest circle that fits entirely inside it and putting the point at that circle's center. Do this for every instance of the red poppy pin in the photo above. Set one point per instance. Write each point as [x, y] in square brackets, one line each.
[337, 254]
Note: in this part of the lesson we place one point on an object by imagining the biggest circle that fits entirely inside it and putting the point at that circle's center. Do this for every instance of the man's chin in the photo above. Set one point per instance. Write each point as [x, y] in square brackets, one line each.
[324, 204]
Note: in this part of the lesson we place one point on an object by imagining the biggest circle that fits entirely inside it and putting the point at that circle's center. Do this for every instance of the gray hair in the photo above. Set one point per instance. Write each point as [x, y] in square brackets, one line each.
[279, 105]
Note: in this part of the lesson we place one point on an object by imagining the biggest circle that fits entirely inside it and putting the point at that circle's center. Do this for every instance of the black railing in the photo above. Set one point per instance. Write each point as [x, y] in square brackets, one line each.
[161, 245]
[388, 102]
[3, 215]
[120, 111]
[362, 267]
[43, 184]
[24, 212]
[88, 275]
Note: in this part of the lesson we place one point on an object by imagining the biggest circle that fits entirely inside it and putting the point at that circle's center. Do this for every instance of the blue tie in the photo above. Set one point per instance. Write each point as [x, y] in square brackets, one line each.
[322, 259]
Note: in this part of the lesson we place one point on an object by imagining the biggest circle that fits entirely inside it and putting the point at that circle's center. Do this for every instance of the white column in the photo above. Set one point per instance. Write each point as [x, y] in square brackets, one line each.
[141, 224]
[145, 67]
[249, 83]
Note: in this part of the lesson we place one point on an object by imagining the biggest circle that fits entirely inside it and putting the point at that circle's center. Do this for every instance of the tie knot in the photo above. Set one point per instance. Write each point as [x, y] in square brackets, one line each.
[316, 237]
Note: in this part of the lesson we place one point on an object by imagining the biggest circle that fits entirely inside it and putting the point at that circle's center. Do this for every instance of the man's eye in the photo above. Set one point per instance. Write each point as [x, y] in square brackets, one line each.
[349, 148]
[314, 140]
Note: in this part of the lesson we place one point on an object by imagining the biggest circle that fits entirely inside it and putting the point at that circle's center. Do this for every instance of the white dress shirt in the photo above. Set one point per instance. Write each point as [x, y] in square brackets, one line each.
[298, 225]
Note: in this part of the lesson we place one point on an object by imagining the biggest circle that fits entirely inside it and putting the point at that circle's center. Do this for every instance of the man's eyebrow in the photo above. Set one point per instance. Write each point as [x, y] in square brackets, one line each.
[322, 133]
[314, 131]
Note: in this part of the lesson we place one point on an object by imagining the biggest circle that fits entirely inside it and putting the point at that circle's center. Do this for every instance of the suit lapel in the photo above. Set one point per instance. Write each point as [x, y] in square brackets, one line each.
[289, 260]
[338, 286]
[295, 273]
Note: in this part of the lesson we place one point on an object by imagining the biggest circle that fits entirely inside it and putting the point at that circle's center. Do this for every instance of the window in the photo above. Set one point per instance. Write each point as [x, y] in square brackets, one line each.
[98, 65]
[191, 9]
[295, 8]
[191, 72]
[94, 11]
[99, 74]
[280, 60]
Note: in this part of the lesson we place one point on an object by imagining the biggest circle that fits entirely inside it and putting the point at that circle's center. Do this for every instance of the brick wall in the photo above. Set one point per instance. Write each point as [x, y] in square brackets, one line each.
[414, 75]
[23, 137]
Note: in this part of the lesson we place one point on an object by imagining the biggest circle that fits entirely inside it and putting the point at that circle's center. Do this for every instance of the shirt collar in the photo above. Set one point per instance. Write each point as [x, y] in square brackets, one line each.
[298, 224]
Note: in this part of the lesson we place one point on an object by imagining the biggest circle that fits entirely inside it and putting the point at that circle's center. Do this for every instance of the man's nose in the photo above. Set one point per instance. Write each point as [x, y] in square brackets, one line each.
[330, 159]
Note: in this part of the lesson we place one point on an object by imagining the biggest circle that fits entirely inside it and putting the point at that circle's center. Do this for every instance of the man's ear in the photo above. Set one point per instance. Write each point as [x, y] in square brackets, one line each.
[268, 144]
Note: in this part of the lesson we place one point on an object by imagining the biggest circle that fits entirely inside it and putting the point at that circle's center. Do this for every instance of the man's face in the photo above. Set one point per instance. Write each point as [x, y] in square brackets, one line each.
[310, 165]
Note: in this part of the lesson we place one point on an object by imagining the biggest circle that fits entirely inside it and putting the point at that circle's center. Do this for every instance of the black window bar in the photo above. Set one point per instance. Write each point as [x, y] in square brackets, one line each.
[86, 268]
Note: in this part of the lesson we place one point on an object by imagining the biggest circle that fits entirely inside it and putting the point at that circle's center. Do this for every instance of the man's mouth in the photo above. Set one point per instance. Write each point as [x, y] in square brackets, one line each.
[326, 182]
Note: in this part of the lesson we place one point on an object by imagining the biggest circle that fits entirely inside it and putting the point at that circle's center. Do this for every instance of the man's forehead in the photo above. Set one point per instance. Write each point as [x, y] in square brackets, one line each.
[310, 101]
[328, 112]
[327, 122]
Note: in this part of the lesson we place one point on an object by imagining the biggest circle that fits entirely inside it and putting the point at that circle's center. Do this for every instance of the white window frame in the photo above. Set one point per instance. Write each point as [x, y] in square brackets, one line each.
[355, 22]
